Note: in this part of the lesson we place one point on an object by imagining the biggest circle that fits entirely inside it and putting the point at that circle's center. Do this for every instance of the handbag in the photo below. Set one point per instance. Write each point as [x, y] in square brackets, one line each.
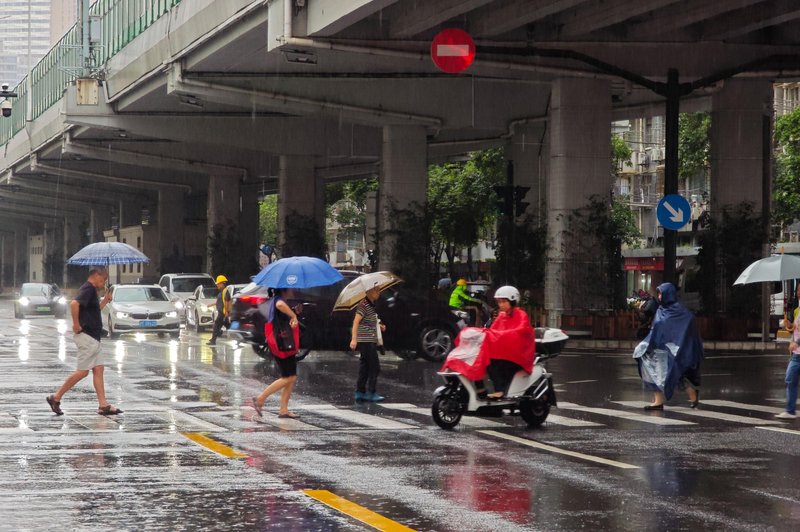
[282, 340]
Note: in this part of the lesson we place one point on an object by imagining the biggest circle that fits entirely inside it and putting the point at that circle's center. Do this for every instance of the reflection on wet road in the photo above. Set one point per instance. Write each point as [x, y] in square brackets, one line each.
[188, 453]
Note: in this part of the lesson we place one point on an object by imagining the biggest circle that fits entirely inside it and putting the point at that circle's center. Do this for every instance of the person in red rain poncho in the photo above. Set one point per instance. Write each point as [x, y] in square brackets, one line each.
[508, 346]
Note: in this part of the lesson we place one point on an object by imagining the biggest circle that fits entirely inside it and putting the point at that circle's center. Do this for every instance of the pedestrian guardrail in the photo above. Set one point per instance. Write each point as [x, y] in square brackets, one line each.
[121, 21]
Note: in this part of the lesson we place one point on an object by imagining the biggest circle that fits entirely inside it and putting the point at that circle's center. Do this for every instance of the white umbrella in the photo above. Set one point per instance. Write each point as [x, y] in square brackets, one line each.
[354, 292]
[775, 268]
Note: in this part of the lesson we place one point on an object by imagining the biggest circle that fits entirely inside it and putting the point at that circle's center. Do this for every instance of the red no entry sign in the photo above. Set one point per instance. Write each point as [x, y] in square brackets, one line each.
[453, 50]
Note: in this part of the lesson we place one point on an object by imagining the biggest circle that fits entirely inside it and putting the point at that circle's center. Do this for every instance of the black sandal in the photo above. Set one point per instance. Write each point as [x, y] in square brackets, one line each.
[108, 410]
[55, 406]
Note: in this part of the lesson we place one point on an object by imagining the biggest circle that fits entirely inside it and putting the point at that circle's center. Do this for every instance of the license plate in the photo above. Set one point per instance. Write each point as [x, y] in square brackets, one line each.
[234, 325]
[43, 309]
[148, 323]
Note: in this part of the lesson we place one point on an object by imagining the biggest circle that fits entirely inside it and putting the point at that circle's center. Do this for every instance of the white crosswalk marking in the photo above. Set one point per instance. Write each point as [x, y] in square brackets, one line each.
[359, 418]
[476, 422]
[742, 406]
[706, 413]
[653, 420]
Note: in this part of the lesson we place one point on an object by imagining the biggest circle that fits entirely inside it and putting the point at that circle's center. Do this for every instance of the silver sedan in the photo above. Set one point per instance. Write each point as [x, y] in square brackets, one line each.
[141, 308]
[200, 307]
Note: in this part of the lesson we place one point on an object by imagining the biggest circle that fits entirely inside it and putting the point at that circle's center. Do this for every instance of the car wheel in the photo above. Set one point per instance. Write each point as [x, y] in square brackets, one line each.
[111, 332]
[197, 327]
[435, 341]
[175, 335]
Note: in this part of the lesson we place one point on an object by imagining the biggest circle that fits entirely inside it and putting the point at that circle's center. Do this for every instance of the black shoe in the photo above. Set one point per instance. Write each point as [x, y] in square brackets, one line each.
[211, 342]
[654, 407]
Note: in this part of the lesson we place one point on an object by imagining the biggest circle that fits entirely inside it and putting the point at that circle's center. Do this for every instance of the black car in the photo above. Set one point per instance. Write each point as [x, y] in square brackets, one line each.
[413, 323]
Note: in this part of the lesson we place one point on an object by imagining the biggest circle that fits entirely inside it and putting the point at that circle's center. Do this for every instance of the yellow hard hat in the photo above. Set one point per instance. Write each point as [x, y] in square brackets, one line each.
[221, 279]
[461, 282]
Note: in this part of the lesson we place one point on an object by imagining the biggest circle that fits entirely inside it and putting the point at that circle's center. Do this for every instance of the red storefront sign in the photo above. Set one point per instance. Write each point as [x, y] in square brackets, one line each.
[644, 264]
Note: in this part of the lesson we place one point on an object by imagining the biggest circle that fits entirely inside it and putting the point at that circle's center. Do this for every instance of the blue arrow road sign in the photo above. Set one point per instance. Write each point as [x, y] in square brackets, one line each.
[673, 212]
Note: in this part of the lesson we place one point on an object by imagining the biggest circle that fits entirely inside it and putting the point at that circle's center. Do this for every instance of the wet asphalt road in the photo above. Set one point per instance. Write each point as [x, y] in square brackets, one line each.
[727, 466]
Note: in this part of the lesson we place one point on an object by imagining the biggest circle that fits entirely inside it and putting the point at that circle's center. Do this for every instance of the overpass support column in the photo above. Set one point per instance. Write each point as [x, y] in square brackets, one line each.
[249, 234]
[224, 209]
[403, 185]
[737, 153]
[301, 201]
[171, 230]
[580, 167]
[529, 155]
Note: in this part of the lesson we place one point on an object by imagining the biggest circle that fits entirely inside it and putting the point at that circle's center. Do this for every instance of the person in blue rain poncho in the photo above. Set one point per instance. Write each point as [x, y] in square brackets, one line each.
[670, 356]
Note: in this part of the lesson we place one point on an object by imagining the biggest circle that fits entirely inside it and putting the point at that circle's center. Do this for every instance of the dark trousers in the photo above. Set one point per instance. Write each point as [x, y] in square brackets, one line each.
[369, 368]
[502, 373]
[219, 323]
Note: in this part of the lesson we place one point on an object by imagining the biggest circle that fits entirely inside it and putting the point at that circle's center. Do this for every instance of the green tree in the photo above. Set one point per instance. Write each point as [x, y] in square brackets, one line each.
[347, 204]
[786, 189]
[461, 202]
[268, 220]
[694, 145]
[620, 153]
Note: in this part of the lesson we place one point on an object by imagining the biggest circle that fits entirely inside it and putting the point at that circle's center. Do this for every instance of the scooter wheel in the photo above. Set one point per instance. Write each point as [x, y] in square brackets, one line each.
[534, 412]
[446, 411]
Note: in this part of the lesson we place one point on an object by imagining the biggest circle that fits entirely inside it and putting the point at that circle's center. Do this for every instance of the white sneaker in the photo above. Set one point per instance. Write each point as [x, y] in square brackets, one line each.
[785, 415]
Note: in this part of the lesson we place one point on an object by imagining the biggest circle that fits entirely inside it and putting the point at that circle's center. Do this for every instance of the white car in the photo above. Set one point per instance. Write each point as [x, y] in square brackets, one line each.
[141, 308]
[180, 286]
[200, 307]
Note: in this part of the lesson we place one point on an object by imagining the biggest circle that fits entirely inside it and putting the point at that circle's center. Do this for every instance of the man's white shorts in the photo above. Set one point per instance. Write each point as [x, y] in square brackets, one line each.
[89, 352]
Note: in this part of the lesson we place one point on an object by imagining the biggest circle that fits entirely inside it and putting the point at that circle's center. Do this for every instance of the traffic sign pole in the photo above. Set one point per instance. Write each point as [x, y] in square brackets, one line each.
[671, 169]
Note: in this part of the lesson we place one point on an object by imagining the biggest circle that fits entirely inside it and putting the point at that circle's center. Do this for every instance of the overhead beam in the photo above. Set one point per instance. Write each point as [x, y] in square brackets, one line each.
[751, 19]
[129, 182]
[37, 185]
[494, 20]
[47, 200]
[325, 18]
[144, 160]
[675, 18]
[602, 14]
[420, 17]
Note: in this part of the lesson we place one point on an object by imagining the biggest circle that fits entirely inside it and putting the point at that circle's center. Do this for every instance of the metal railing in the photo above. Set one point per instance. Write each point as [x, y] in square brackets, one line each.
[121, 21]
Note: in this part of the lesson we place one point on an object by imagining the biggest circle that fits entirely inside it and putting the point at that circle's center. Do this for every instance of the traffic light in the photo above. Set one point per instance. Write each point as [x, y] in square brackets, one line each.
[519, 204]
[505, 199]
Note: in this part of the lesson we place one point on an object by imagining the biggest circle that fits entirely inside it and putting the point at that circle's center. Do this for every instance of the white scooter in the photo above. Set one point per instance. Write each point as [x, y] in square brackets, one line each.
[529, 396]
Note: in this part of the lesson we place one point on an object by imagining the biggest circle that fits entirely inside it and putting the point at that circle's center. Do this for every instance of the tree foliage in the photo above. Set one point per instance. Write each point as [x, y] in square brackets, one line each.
[461, 201]
[620, 153]
[694, 144]
[786, 189]
[268, 220]
[728, 246]
[347, 204]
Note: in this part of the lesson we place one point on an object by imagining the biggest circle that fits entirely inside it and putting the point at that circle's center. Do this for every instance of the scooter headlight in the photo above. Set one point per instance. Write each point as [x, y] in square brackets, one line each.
[24, 301]
[179, 305]
[62, 300]
[203, 308]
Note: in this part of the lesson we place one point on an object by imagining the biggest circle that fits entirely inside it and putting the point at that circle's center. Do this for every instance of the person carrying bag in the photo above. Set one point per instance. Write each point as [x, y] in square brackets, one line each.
[282, 332]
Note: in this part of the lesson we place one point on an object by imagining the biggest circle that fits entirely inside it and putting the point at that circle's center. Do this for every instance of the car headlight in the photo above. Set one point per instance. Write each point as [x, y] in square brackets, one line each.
[121, 315]
[172, 314]
[62, 300]
[24, 301]
[179, 305]
[203, 308]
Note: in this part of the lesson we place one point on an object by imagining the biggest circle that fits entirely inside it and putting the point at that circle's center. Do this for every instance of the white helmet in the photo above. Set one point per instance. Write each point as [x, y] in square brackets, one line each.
[507, 292]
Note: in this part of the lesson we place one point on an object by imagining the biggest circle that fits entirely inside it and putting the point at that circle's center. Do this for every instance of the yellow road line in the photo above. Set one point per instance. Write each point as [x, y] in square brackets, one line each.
[545, 447]
[213, 445]
[368, 517]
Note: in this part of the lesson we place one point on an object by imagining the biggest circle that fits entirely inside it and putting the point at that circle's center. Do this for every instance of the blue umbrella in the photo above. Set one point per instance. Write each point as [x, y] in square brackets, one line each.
[105, 253]
[297, 272]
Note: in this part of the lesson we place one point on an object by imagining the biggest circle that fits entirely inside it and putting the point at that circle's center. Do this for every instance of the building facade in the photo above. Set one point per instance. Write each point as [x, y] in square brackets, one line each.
[25, 34]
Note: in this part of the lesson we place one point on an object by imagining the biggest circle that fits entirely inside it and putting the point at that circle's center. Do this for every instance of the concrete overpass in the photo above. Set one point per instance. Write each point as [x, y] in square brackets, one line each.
[209, 102]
